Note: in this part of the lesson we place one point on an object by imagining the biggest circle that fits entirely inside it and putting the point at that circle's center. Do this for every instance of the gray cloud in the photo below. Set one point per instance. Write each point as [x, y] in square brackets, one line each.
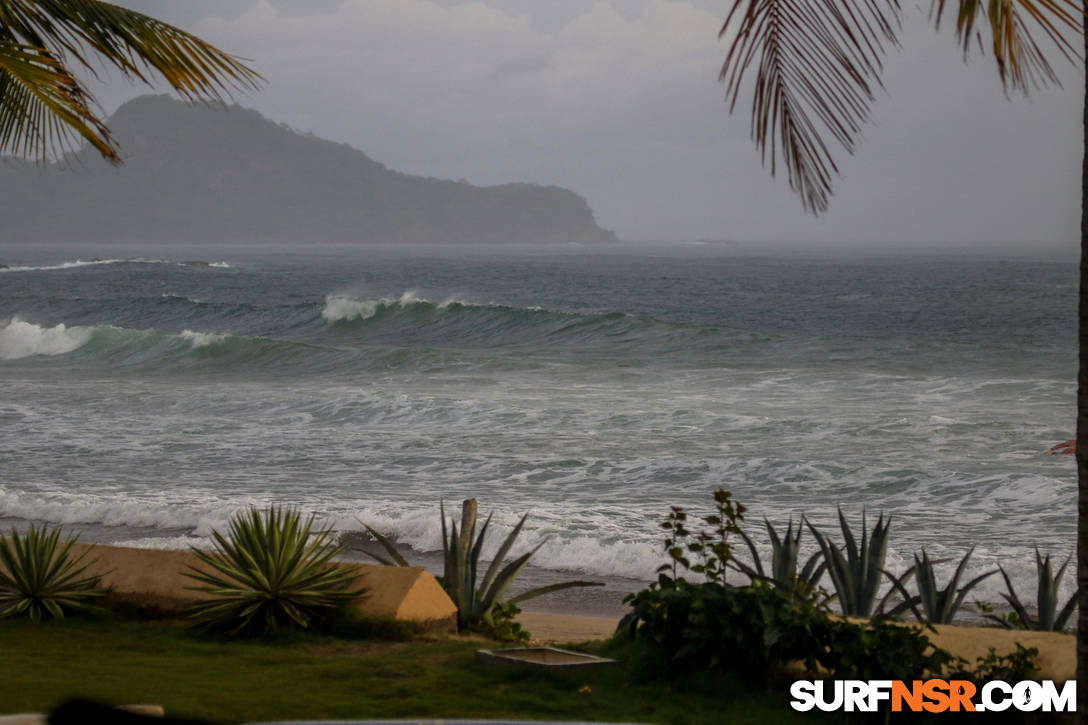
[619, 100]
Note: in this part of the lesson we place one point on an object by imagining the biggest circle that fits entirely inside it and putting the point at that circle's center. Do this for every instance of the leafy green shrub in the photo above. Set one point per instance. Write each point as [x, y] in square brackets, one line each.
[709, 625]
[480, 603]
[857, 574]
[878, 650]
[785, 551]
[1012, 667]
[271, 571]
[1048, 616]
[685, 626]
[40, 578]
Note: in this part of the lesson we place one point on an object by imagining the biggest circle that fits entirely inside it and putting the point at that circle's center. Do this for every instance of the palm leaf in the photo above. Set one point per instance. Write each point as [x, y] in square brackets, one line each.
[44, 108]
[1020, 61]
[817, 63]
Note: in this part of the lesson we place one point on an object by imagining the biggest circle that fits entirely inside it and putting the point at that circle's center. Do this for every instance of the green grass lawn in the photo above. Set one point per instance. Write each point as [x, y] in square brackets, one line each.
[311, 676]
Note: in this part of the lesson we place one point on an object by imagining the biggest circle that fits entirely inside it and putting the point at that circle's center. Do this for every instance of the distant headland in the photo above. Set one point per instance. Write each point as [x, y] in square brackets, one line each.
[196, 173]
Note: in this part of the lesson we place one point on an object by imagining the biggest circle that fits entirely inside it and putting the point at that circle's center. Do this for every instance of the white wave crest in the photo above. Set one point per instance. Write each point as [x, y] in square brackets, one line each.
[20, 339]
[345, 308]
[201, 339]
[94, 262]
[342, 307]
[63, 265]
[168, 543]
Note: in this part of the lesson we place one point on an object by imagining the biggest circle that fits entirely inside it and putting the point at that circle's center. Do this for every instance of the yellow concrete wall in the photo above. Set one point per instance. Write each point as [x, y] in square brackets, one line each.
[155, 578]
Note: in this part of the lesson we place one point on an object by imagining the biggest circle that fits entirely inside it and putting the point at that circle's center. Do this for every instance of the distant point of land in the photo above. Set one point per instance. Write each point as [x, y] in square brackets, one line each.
[197, 173]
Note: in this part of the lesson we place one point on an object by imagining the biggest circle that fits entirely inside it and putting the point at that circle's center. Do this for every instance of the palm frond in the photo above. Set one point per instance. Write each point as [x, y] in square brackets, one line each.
[43, 106]
[132, 42]
[818, 62]
[1020, 61]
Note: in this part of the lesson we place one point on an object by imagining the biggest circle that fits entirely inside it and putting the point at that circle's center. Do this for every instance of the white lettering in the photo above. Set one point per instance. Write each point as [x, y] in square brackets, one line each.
[1064, 701]
[1027, 696]
[803, 694]
[834, 704]
[990, 703]
[879, 690]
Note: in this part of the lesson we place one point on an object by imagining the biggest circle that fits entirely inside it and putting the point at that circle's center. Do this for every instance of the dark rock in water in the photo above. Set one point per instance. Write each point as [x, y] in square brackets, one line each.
[197, 263]
[3, 266]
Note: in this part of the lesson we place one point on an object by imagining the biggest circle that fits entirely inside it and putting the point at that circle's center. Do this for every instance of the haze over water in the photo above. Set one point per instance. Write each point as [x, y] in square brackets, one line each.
[146, 399]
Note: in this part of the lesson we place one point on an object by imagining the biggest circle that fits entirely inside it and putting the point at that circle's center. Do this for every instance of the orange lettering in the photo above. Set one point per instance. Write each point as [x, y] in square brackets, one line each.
[961, 692]
[936, 691]
[912, 696]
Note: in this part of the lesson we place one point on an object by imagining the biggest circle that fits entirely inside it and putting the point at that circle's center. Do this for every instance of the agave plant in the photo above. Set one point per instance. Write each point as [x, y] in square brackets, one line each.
[1048, 616]
[856, 575]
[40, 578]
[933, 604]
[394, 559]
[272, 570]
[785, 551]
[479, 602]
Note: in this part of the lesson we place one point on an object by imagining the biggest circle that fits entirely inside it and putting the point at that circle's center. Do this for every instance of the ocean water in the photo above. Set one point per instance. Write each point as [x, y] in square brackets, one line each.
[149, 393]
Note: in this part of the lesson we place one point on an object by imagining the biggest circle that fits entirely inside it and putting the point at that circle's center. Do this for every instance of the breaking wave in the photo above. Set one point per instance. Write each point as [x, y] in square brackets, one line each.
[415, 319]
[19, 339]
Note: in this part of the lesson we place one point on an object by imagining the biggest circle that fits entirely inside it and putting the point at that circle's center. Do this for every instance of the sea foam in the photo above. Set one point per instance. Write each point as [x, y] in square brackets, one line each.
[20, 339]
[201, 339]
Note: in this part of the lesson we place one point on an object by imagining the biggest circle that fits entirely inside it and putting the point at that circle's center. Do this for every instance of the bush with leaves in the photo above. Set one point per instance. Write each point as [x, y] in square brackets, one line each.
[40, 579]
[1021, 664]
[879, 650]
[480, 603]
[709, 625]
[755, 629]
[712, 624]
[271, 571]
[678, 627]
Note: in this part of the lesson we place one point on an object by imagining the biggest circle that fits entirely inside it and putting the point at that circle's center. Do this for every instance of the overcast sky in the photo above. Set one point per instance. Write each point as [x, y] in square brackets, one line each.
[619, 101]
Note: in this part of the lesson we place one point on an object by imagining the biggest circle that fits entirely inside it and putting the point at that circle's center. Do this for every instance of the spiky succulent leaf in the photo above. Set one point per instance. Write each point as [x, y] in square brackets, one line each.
[548, 589]
[40, 579]
[500, 555]
[505, 578]
[856, 574]
[476, 599]
[396, 559]
[271, 570]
